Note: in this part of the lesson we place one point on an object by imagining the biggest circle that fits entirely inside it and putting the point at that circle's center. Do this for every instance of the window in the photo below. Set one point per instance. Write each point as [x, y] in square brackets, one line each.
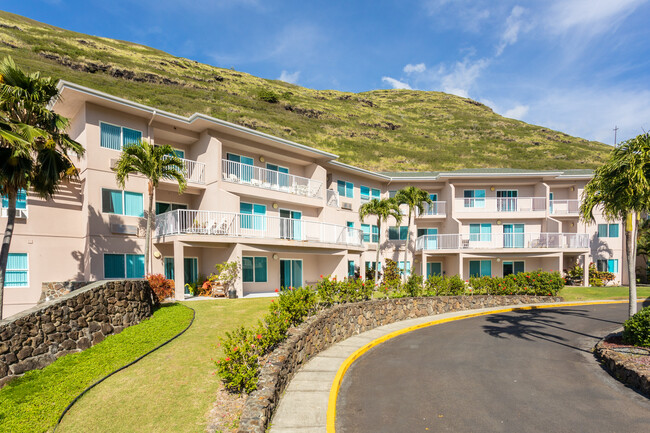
[480, 232]
[512, 268]
[365, 229]
[605, 265]
[375, 234]
[434, 268]
[400, 266]
[253, 216]
[116, 137]
[370, 267]
[124, 265]
[345, 189]
[364, 192]
[608, 230]
[376, 194]
[392, 193]
[162, 207]
[21, 200]
[397, 233]
[122, 202]
[480, 268]
[254, 269]
[351, 269]
[474, 198]
[17, 270]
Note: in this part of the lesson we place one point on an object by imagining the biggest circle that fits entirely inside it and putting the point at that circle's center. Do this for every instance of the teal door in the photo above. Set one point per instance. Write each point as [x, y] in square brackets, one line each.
[433, 208]
[431, 239]
[507, 201]
[290, 273]
[190, 270]
[434, 269]
[244, 170]
[279, 176]
[512, 268]
[513, 235]
[253, 216]
[179, 153]
[290, 224]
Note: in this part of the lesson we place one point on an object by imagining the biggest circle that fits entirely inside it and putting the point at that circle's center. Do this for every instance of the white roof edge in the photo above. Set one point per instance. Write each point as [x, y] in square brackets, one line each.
[576, 176]
[399, 178]
[360, 170]
[547, 173]
[189, 120]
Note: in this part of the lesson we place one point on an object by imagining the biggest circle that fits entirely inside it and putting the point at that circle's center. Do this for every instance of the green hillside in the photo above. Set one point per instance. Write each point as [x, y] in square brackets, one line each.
[385, 130]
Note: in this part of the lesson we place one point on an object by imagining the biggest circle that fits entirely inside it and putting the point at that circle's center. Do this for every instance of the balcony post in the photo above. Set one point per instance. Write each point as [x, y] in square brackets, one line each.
[179, 271]
[585, 264]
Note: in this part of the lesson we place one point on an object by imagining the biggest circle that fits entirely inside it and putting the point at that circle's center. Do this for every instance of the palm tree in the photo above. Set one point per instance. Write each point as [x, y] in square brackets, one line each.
[154, 163]
[621, 188]
[382, 209]
[34, 148]
[414, 198]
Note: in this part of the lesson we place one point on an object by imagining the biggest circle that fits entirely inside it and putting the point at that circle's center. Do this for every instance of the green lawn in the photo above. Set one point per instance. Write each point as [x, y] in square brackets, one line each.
[34, 402]
[572, 293]
[173, 389]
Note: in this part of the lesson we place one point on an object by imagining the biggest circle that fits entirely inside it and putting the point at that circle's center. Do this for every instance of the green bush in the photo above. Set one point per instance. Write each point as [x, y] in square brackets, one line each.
[330, 291]
[444, 286]
[268, 96]
[636, 329]
[414, 286]
[392, 279]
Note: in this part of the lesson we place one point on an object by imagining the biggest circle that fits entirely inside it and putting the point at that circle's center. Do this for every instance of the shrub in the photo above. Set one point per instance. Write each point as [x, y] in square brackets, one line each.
[636, 329]
[268, 96]
[444, 286]
[392, 279]
[331, 291]
[414, 286]
[239, 368]
[295, 303]
[161, 286]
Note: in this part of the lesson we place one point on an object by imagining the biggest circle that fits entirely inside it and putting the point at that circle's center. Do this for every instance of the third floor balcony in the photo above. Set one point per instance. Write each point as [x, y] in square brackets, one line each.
[564, 207]
[490, 205]
[237, 172]
[497, 241]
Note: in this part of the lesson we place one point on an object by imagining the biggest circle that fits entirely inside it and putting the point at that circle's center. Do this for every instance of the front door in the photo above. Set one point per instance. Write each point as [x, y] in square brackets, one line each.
[290, 224]
[513, 236]
[290, 273]
[434, 268]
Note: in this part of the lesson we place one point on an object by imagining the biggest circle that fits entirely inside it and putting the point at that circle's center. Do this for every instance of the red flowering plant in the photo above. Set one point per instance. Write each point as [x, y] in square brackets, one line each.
[162, 287]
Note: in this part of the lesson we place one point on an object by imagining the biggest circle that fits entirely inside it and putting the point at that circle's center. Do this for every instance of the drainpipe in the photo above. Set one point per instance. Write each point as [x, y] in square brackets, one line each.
[149, 127]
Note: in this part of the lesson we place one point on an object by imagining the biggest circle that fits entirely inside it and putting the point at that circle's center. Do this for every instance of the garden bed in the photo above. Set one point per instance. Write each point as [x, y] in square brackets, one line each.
[629, 364]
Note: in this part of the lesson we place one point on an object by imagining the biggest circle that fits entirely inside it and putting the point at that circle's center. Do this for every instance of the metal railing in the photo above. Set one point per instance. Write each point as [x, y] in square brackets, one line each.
[232, 224]
[498, 204]
[502, 240]
[564, 207]
[193, 171]
[237, 172]
[436, 208]
[333, 198]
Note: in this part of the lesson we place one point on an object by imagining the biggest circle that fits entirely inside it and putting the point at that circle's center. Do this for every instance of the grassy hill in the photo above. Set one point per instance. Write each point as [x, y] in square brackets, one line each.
[385, 130]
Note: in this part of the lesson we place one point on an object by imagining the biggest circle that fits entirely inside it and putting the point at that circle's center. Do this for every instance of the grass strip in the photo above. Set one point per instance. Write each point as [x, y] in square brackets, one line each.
[576, 293]
[33, 402]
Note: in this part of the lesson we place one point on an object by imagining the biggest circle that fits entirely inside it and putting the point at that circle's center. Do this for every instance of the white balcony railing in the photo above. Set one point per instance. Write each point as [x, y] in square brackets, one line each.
[236, 172]
[494, 204]
[193, 171]
[20, 213]
[232, 224]
[502, 240]
[564, 207]
[333, 198]
[434, 209]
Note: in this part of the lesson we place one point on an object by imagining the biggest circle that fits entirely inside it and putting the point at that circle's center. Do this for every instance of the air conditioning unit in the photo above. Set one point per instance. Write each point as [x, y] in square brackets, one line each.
[347, 206]
[113, 162]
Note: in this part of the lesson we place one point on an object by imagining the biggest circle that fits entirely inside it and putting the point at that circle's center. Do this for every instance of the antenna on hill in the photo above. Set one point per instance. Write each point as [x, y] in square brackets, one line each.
[615, 131]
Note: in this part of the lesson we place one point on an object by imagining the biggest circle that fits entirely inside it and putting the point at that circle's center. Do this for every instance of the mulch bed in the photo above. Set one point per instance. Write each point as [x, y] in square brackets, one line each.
[629, 364]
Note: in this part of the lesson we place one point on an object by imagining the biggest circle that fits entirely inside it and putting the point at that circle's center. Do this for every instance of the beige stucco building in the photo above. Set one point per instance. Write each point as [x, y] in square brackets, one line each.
[286, 211]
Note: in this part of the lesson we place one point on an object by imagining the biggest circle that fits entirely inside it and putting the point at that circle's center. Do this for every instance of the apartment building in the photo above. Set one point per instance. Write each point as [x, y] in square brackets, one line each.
[287, 212]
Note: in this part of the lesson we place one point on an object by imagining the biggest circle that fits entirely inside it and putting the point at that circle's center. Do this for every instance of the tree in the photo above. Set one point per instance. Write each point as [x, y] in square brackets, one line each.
[414, 198]
[382, 209]
[621, 188]
[154, 163]
[34, 148]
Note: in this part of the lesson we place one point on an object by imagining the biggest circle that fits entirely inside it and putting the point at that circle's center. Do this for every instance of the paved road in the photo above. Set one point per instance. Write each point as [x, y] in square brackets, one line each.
[529, 371]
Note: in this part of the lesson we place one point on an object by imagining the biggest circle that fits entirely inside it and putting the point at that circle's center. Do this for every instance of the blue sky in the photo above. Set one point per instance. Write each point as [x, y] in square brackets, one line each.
[579, 66]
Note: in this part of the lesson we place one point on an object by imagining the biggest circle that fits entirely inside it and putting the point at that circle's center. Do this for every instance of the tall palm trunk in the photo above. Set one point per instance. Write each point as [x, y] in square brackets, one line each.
[408, 241]
[378, 247]
[630, 250]
[6, 242]
[147, 259]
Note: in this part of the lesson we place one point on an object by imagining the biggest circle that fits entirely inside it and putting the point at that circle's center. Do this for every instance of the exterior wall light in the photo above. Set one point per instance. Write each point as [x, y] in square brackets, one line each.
[275, 256]
[275, 205]
[262, 159]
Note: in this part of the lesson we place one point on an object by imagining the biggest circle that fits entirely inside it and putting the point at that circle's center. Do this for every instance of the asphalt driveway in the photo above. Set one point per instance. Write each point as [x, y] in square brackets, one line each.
[527, 371]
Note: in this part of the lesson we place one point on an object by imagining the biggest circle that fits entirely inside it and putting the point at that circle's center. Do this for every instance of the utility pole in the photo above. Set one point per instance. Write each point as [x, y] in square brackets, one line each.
[615, 131]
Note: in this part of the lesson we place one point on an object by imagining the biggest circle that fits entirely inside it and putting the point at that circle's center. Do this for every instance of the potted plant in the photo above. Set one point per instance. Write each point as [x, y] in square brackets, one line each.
[224, 278]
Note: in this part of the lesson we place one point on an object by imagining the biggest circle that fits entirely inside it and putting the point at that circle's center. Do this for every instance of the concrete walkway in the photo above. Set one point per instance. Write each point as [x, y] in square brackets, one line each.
[303, 407]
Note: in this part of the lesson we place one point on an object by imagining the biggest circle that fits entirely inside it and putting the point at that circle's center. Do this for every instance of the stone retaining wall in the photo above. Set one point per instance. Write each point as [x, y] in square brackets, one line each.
[623, 368]
[343, 321]
[74, 322]
[56, 289]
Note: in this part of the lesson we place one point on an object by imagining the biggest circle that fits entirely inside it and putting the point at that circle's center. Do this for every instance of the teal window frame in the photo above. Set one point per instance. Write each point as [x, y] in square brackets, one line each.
[345, 189]
[254, 269]
[17, 274]
[396, 233]
[430, 269]
[162, 207]
[400, 266]
[375, 234]
[126, 136]
[480, 268]
[129, 266]
[365, 229]
[21, 200]
[376, 194]
[392, 193]
[118, 202]
[351, 268]
[480, 232]
[474, 198]
[364, 192]
[608, 230]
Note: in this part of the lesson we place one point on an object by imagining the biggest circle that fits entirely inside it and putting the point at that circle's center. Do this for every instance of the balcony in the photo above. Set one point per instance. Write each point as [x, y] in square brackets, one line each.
[236, 172]
[230, 224]
[333, 198]
[437, 208]
[20, 213]
[501, 205]
[564, 207]
[193, 171]
[486, 241]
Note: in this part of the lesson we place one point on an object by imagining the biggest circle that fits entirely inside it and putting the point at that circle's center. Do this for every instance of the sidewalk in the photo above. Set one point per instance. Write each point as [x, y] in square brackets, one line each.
[303, 407]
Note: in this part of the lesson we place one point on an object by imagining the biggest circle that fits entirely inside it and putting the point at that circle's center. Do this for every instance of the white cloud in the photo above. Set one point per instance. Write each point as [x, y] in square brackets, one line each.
[419, 68]
[462, 76]
[470, 15]
[589, 16]
[517, 112]
[289, 78]
[395, 84]
[514, 25]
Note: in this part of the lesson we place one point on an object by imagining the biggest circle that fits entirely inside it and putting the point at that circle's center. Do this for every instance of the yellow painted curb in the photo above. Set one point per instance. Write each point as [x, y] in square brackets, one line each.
[338, 379]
